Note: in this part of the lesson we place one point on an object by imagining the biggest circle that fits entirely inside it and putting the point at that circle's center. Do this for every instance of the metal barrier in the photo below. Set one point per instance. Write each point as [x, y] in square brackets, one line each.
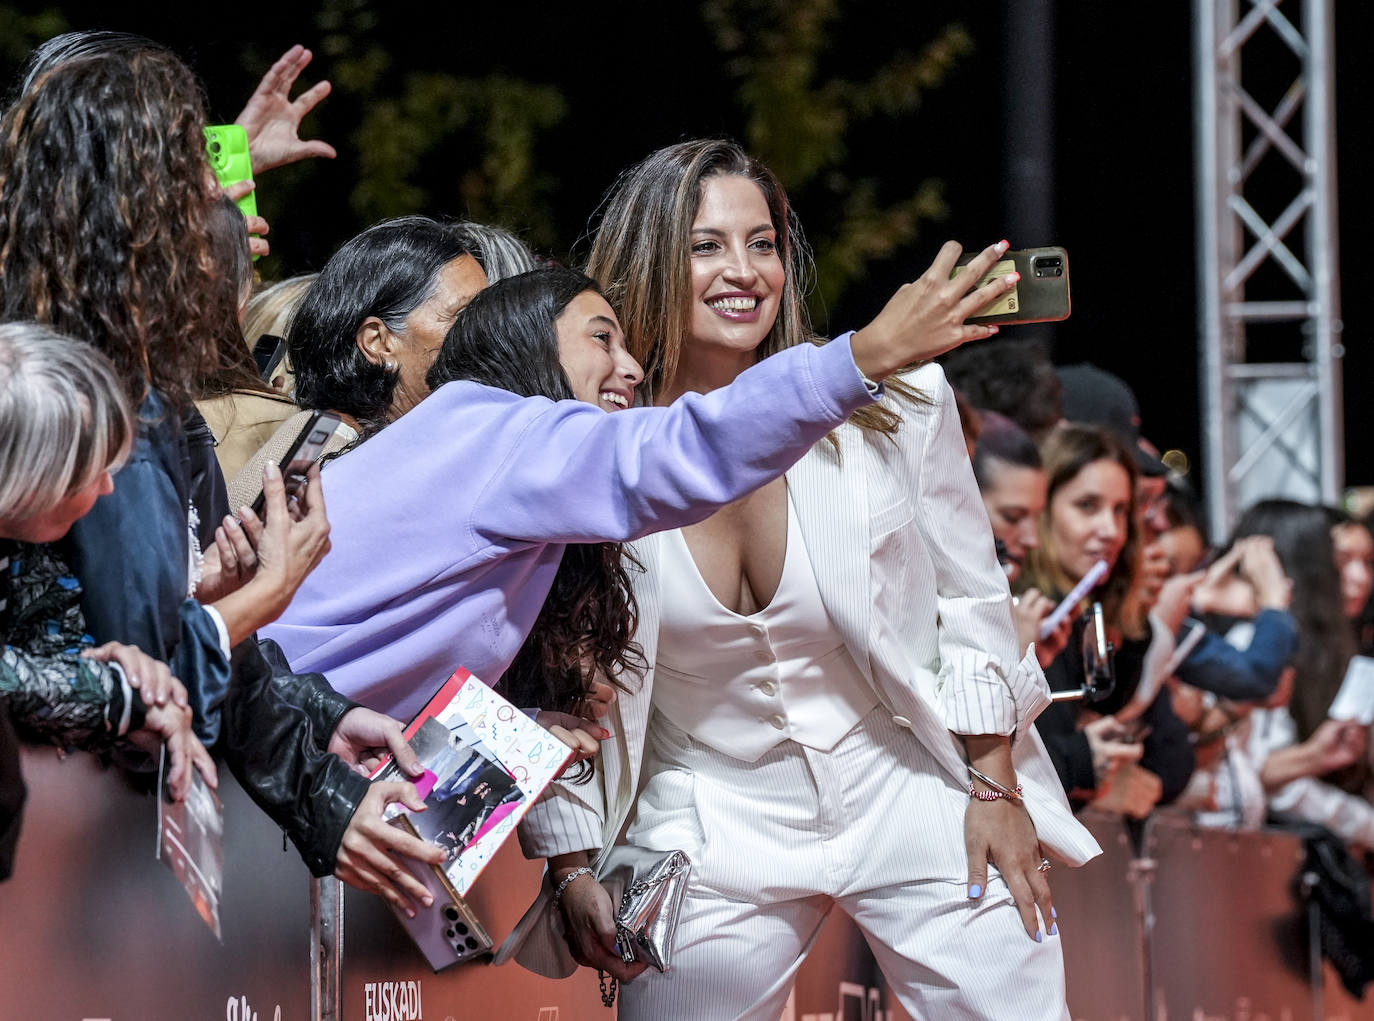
[92, 927]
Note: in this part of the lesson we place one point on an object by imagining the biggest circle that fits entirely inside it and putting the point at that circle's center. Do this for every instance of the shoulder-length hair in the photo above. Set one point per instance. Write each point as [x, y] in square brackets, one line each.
[641, 255]
[1067, 451]
[104, 207]
[64, 419]
[387, 271]
[508, 338]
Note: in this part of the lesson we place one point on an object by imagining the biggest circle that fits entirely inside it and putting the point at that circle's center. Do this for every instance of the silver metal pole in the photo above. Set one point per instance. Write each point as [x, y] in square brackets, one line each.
[1319, 135]
[1211, 208]
[326, 948]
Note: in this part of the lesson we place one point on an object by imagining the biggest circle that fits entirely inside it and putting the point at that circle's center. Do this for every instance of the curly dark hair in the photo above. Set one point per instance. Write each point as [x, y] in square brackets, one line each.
[507, 338]
[105, 201]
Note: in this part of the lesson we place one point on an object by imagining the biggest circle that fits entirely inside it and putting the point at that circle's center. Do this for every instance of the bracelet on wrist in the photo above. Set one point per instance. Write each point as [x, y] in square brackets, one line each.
[566, 881]
[998, 791]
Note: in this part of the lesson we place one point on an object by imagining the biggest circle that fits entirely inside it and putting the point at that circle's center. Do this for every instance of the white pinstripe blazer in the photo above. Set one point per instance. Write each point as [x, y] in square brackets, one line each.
[904, 560]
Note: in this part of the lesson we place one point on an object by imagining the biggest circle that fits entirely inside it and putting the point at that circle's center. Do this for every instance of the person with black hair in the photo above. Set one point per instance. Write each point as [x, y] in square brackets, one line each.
[1011, 377]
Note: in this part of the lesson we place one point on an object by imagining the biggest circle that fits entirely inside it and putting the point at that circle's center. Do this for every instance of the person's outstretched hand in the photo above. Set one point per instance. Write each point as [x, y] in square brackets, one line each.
[927, 317]
[272, 119]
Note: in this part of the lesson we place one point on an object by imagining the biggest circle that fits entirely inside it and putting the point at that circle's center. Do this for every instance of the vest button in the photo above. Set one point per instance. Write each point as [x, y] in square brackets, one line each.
[763, 656]
[902, 721]
[778, 720]
[767, 687]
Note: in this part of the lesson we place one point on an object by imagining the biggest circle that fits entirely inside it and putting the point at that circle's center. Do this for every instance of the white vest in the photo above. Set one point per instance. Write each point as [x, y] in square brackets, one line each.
[745, 684]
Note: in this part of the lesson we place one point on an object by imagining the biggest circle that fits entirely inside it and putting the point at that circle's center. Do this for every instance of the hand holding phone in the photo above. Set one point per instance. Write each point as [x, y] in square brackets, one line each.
[1040, 296]
[304, 451]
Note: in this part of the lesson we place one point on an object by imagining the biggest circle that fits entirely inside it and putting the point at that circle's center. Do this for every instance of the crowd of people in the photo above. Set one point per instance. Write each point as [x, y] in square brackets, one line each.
[788, 596]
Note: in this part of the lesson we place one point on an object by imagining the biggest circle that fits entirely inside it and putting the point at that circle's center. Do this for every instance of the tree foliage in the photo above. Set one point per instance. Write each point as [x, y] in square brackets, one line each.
[799, 115]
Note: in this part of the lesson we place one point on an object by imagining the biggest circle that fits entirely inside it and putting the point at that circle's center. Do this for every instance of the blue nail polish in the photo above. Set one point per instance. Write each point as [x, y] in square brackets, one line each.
[1038, 937]
[974, 891]
[1054, 929]
[1054, 913]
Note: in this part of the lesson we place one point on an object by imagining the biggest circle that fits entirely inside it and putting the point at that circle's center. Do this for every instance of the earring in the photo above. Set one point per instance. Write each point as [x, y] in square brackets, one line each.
[389, 365]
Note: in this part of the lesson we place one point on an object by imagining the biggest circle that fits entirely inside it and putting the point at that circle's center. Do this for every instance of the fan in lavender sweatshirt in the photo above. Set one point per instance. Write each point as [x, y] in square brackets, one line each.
[448, 525]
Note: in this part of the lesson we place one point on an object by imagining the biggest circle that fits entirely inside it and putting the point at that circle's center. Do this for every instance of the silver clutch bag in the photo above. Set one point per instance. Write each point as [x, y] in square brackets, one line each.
[648, 887]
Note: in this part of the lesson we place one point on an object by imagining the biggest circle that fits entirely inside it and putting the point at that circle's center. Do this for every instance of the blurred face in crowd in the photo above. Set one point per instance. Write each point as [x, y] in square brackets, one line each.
[1090, 517]
[414, 348]
[1151, 505]
[737, 269]
[1184, 547]
[1354, 550]
[1014, 498]
[591, 349]
[55, 523]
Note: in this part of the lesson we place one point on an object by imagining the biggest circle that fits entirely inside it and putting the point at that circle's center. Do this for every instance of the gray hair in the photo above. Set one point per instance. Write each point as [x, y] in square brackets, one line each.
[63, 418]
[499, 252]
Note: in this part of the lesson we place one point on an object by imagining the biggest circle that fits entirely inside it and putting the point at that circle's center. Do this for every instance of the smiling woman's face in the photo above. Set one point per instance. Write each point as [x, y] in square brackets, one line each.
[1090, 517]
[591, 349]
[737, 270]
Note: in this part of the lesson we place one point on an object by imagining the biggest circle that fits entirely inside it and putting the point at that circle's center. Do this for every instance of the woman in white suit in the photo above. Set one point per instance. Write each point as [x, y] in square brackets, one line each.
[828, 657]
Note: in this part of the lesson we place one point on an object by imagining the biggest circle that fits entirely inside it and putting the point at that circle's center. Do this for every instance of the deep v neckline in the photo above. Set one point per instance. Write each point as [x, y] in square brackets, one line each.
[790, 537]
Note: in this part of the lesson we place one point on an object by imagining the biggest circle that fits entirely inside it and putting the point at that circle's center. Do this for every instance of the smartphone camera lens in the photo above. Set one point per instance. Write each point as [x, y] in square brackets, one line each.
[1048, 266]
[451, 913]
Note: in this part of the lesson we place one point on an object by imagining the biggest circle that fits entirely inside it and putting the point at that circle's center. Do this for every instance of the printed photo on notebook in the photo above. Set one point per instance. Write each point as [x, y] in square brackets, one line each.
[490, 763]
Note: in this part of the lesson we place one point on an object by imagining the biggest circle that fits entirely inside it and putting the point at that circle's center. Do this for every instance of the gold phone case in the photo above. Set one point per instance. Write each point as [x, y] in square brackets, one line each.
[1040, 296]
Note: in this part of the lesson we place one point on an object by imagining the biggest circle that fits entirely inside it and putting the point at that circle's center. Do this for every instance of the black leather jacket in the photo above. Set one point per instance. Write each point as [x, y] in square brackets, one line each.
[271, 726]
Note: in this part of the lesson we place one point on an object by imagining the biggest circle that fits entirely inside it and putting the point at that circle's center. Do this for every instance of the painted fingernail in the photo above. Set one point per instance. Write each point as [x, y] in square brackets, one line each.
[427, 900]
[230, 522]
[974, 891]
[1038, 937]
[992, 330]
[1002, 246]
[1054, 913]
[1012, 278]
[1054, 929]
[411, 913]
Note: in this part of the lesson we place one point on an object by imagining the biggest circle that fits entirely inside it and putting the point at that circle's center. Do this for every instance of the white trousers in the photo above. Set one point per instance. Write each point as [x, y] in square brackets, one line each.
[870, 826]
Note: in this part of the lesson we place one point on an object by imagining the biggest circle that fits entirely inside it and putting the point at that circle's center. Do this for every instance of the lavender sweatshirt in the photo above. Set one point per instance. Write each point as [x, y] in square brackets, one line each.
[449, 524]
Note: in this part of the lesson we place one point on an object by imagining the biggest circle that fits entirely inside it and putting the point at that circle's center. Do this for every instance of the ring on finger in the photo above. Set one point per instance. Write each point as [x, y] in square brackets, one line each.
[1044, 865]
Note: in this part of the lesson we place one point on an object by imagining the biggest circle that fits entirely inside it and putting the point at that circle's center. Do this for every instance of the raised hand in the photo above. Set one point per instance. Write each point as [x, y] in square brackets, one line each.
[927, 317]
[273, 120]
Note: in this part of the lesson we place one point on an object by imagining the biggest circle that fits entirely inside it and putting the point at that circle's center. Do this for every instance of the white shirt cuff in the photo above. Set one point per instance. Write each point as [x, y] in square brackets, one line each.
[219, 627]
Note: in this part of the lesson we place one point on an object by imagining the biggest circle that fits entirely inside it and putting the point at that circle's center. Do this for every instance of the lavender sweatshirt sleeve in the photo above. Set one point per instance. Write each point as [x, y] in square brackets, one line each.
[578, 474]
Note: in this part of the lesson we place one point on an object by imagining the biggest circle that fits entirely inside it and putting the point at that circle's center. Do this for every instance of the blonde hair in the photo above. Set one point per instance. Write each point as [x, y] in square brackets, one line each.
[270, 308]
[641, 251]
[64, 419]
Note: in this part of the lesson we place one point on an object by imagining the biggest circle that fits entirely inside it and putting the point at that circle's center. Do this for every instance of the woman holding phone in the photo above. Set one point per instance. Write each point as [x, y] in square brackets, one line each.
[826, 658]
[105, 198]
[528, 443]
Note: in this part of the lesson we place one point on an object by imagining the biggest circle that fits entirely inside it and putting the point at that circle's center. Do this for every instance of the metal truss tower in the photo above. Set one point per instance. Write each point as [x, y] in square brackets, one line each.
[1268, 286]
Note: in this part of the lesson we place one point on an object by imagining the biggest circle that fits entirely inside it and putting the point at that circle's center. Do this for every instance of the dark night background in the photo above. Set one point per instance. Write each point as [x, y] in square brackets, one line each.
[636, 76]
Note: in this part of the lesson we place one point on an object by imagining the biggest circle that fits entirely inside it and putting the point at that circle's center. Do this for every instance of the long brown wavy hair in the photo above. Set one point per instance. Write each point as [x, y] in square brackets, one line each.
[641, 256]
[105, 199]
[1067, 451]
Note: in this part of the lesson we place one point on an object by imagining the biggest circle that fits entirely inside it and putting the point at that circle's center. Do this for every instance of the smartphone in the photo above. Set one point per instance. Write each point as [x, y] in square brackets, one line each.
[226, 145]
[304, 451]
[1040, 296]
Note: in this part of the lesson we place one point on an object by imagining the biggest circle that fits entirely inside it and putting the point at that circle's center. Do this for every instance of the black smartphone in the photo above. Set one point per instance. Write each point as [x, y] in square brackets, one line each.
[1040, 296]
[304, 451]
